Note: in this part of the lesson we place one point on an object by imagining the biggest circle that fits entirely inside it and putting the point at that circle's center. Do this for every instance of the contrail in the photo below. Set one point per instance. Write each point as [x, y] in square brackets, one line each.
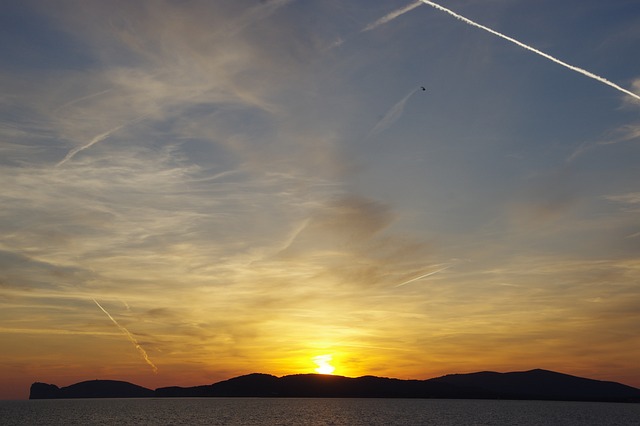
[423, 276]
[512, 40]
[97, 139]
[390, 16]
[392, 115]
[386, 18]
[131, 338]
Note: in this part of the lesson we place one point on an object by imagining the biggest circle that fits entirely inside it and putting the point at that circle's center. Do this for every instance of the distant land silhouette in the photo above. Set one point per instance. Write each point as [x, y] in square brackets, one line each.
[524, 385]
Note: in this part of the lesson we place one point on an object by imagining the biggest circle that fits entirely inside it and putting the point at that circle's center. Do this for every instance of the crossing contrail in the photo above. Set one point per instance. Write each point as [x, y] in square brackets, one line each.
[130, 337]
[534, 50]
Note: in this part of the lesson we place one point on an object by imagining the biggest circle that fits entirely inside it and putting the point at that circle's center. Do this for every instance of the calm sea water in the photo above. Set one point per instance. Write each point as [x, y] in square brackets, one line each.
[313, 411]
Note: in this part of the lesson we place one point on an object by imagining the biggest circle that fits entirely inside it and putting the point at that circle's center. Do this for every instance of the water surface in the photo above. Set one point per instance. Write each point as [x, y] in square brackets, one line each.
[313, 411]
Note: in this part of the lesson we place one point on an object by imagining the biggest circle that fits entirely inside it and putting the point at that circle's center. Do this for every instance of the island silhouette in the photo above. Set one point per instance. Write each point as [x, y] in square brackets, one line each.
[523, 385]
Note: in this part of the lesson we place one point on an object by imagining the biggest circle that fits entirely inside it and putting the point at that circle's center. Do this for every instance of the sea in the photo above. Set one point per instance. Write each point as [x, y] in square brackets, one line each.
[314, 411]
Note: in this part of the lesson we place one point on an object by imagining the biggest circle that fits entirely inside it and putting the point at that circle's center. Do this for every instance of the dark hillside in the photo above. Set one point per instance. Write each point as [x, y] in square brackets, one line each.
[534, 385]
[543, 384]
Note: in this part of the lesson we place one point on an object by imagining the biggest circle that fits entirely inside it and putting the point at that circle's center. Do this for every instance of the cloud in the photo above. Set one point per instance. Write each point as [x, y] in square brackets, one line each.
[95, 140]
[550, 198]
[630, 201]
[340, 224]
[184, 176]
[174, 68]
[625, 133]
[347, 242]
[629, 198]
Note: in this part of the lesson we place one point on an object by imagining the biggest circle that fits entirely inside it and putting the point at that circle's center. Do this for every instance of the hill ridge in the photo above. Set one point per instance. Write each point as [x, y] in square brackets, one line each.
[536, 384]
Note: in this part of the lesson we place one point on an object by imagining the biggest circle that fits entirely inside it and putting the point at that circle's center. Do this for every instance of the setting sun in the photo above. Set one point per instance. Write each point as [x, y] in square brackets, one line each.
[324, 367]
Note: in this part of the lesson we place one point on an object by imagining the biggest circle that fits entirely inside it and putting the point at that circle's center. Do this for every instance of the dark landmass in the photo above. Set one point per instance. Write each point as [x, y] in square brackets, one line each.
[544, 385]
[528, 385]
[90, 389]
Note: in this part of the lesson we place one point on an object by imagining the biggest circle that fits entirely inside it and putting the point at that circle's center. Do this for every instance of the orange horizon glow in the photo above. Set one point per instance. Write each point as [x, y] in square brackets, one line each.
[350, 362]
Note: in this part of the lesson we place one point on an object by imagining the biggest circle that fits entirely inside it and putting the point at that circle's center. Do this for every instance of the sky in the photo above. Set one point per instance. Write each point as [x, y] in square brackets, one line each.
[196, 190]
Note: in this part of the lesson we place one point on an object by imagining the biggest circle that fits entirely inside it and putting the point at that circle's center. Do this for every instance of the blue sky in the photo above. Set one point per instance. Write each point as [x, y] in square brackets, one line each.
[249, 185]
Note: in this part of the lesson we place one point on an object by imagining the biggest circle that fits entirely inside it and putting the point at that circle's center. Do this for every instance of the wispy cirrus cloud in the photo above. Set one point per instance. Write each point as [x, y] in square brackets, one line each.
[630, 201]
[625, 133]
[180, 174]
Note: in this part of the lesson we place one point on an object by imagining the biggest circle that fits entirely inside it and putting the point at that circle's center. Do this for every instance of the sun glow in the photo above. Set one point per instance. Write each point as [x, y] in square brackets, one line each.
[324, 367]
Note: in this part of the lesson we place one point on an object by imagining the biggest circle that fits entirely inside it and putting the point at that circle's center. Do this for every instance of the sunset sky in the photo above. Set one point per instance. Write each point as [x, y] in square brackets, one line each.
[195, 190]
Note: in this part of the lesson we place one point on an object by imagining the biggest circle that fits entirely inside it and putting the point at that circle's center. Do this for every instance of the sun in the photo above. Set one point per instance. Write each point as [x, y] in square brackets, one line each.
[324, 367]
